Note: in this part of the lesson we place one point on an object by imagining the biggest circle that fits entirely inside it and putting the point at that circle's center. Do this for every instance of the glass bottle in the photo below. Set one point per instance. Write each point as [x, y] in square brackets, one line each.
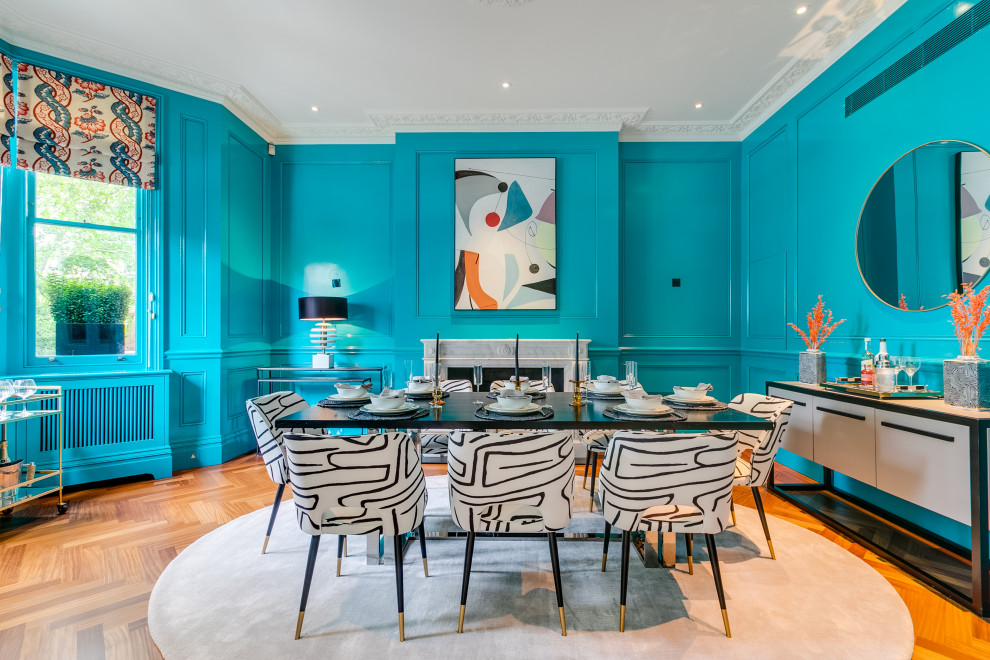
[866, 365]
[882, 359]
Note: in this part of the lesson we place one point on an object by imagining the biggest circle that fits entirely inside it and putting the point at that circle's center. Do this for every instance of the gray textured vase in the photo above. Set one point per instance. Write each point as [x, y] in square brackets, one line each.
[811, 367]
[967, 383]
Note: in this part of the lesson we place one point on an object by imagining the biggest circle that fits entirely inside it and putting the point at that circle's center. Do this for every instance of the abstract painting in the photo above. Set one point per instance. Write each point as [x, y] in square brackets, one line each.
[974, 216]
[505, 233]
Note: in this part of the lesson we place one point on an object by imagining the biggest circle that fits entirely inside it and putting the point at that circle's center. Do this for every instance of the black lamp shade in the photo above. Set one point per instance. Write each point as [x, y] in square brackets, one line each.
[322, 308]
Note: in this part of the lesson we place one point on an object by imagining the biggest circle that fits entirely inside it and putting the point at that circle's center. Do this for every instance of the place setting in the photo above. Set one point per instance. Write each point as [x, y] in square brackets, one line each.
[389, 405]
[514, 405]
[349, 395]
[639, 405]
[422, 388]
[694, 398]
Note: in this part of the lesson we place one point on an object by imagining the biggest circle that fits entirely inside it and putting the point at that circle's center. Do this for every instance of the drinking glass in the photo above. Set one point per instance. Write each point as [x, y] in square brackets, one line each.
[897, 362]
[478, 379]
[546, 378]
[407, 367]
[24, 389]
[6, 391]
[911, 366]
[387, 378]
[632, 375]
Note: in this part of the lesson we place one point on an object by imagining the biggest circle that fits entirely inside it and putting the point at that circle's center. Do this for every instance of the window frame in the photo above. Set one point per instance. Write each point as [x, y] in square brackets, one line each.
[142, 231]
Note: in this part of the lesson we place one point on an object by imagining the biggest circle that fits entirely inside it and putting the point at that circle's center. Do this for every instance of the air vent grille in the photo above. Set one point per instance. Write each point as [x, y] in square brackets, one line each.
[102, 416]
[960, 29]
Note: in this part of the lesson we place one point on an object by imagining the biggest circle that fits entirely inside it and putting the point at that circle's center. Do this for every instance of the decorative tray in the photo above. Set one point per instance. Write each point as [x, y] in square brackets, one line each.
[902, 391]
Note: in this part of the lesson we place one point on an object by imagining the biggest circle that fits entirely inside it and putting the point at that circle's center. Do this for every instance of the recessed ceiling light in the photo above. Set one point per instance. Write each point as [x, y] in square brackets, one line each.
[699, 106]
[506, 85]
[314, 108]
[801, 10]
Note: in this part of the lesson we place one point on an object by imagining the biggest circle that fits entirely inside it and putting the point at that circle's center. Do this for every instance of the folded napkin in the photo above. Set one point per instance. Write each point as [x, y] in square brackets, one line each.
[421, 379]
[641, 394]
[606, 379]
[701, 387]
[389, 393]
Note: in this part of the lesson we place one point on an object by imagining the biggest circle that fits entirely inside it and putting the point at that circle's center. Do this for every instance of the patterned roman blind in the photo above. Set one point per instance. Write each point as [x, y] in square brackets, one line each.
[8, 117]
[84, 129]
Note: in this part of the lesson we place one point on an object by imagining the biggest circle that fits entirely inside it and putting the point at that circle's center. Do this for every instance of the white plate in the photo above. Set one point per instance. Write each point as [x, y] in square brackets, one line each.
[337, 397]
[707, 400]
[404, 408]
[528, 410]
[623, 408]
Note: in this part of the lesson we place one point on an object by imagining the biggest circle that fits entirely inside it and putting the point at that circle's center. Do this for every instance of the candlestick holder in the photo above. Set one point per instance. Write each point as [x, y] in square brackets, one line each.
[437, 396]
[577, 402]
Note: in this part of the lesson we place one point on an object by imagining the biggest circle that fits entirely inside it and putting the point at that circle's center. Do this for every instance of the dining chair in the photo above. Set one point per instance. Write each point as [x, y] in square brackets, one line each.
[757, 450]
[668, 483]
[263, 411]
[357, 484]
[511, 483]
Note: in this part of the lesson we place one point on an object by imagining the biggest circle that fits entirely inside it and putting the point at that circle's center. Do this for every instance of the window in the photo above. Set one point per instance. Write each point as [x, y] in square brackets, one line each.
[86, 236]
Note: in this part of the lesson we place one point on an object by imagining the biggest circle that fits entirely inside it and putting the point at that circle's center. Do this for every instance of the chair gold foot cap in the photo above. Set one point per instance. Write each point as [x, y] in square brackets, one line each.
[299, 623]
[690, 565]
[770, 543]
[460, 621]
[338, 566]
[426, 568]
[725, 620]
[604, 559]
[622, 618]
[563, 626]
[402, 628]
[345, 546]
[733, 511]
[265, 546]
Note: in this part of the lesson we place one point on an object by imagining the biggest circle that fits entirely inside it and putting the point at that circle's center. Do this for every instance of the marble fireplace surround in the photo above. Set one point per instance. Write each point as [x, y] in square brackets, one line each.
[498, 353]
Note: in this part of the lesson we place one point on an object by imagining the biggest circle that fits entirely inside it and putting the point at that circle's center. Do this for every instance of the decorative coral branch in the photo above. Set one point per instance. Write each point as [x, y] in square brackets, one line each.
[970, 317]
[820, 326]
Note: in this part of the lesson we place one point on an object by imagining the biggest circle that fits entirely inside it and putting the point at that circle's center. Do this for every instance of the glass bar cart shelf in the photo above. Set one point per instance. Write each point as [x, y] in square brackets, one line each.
[44, 482]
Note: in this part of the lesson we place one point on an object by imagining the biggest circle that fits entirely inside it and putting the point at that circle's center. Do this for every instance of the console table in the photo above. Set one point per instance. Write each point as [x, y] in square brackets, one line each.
[271, 375]
[919, 450]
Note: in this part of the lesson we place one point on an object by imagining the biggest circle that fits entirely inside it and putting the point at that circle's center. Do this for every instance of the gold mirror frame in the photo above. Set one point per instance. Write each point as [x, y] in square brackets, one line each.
[859, 222]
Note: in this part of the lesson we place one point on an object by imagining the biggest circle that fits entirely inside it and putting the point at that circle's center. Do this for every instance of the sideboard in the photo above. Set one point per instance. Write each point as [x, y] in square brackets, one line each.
[921, 451]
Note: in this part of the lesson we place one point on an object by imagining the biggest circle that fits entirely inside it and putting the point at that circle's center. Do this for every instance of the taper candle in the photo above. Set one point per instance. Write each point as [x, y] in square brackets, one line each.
[517, 360]
[437, 362]
[577, 356]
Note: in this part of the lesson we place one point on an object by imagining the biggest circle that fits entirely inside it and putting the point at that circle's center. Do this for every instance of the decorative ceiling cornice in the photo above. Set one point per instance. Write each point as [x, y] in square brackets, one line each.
[498, 120]
[812, 52]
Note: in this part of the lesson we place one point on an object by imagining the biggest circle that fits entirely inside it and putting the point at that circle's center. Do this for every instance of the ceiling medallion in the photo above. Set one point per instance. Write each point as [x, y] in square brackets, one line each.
[501, 3]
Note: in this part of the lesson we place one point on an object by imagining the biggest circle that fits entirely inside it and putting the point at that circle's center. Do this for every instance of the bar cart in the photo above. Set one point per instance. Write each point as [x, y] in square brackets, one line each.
[43, 482]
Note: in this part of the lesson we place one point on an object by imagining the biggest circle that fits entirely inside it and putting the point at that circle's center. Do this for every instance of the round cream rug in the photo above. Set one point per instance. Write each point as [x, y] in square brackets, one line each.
[221, 598]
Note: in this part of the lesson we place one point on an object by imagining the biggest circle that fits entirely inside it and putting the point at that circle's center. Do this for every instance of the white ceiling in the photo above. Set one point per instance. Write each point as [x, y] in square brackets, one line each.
[373, 67]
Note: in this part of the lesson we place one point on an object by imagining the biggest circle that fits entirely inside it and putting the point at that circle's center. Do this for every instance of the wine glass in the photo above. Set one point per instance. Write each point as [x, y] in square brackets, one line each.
[25, 389]
[477, 378]
[897, 362]
[433, 374]
[6, 391]
[911, 366]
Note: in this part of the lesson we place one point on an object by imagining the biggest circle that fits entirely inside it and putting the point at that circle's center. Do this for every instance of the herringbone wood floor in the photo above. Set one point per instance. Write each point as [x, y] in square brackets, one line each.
[77, 586]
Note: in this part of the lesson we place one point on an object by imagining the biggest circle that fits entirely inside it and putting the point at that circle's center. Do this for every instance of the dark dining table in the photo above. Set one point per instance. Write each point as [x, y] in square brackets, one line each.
[458, 412]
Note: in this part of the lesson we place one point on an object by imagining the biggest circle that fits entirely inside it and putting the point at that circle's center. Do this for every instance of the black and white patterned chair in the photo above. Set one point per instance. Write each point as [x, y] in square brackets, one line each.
[675, 483]
[758, 449]
[263, 411]
[433, 442]
[356, 484]
[511, 483]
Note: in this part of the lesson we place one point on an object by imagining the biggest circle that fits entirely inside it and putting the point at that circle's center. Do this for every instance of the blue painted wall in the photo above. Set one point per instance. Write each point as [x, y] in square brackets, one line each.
[806, 173]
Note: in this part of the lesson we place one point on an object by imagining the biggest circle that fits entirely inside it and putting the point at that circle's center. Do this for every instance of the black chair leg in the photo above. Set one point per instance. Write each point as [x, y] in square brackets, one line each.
[399, 538]
[468, 553]
[341, 541]
[555, 563]
[763, 519]
[717, 573]
[314, 546]
[608, 533]
[587, 466]
[624, 581]
[271, 521]
[422, 548]
[594, 476]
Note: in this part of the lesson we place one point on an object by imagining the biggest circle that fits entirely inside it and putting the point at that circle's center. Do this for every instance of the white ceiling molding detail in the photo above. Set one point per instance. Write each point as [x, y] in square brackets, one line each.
[499, 121]
[837, 26]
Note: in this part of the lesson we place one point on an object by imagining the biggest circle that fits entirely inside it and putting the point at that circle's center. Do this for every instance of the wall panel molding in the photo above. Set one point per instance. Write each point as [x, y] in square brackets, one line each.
[193, 240]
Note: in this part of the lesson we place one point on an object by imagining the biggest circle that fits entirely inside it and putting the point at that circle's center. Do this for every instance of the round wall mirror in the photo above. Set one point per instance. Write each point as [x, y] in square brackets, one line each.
[925, 227]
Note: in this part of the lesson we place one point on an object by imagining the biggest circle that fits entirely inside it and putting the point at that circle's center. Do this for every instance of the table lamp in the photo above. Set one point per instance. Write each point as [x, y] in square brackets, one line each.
[323, 310]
